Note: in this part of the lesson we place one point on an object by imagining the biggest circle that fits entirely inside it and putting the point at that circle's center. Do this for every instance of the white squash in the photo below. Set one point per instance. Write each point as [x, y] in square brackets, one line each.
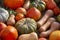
[3, 15]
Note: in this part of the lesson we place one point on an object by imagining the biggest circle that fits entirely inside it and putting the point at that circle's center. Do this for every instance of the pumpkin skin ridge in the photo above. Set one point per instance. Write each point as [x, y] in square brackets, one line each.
[17, 26]
[32, 24]
[26, 27]
[1, 19]
[35, 4]
[33, 27]
[22, 25]
[30, 28]
[42, 2]
[4, 13]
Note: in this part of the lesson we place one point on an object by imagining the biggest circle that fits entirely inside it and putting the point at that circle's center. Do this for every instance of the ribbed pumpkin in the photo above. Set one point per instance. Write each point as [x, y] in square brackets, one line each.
[26, 25]
[40, 5]
[3, 15]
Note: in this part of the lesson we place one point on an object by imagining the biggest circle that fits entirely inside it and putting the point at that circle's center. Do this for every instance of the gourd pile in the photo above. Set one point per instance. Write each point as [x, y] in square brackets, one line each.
[29, 19]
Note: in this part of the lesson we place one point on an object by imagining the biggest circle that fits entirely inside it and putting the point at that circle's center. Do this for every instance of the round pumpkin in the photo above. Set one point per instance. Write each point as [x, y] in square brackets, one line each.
[40, 5]
[34, 13]
[55, 35]
[19, 16]
[13, 4]
[21, 10]
[26, 25]
[9, 33]
[3, 15]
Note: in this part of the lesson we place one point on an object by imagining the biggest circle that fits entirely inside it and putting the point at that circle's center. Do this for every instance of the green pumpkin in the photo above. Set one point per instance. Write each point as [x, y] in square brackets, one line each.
[3, 15]
[39, 5]
[26, 25]
[33, 4]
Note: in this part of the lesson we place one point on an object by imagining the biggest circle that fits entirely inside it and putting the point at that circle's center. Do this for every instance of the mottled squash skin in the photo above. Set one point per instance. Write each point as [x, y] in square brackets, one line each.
[26, 25]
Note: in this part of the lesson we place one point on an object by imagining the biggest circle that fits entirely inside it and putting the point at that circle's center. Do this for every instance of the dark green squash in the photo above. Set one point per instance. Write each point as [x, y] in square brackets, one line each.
[33, 4]
[26, 25]
[39, 5]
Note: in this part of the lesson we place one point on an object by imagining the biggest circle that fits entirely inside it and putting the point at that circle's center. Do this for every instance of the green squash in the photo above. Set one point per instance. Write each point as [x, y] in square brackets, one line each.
[39, 5]
[3, 15]
[33, 4]
[26, 25]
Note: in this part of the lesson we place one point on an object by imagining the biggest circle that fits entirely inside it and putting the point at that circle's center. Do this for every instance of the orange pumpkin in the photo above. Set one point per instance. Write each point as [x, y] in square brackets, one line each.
[55, 35]
[21, 10]
[19, 16]
[9, 33]
[34, 13]
[13, 4]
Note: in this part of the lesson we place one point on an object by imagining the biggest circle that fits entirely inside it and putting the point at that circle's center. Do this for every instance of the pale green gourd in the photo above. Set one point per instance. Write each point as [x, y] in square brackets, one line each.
[3, 15]
[26, 25]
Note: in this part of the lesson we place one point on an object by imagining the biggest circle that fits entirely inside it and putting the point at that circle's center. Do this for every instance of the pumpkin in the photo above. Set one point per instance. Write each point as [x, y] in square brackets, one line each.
[33, 4]
[13, 4]
[3, 15]
[21, 10]
[40, 5]
[26, 25]
[33, 13]
[19, 16]
[55, 35]
[9, 33]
